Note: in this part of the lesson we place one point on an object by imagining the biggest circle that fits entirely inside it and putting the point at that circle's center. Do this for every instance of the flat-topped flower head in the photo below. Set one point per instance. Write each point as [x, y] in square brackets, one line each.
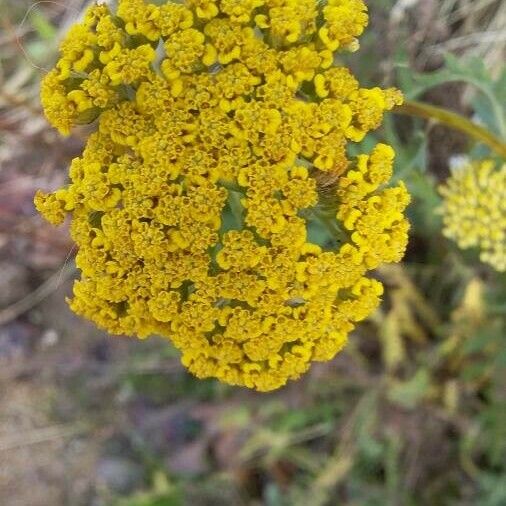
[474, 209]
[219, 150]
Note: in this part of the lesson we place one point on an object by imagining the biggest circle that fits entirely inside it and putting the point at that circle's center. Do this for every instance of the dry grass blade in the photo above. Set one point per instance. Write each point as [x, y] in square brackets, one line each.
[38, 436]
[36, 297]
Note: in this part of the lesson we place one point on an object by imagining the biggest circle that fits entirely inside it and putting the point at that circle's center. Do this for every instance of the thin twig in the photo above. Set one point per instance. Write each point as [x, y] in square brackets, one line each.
[37, 436]
[36, 297]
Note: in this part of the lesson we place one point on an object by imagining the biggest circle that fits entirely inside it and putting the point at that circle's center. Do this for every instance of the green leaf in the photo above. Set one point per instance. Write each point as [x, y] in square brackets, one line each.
[478, 342]
[471, 71]
[408, 394]
[45, 30]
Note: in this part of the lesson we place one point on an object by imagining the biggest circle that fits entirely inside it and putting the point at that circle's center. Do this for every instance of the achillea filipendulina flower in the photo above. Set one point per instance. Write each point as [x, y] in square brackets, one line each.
[194, 201]
[474, 210]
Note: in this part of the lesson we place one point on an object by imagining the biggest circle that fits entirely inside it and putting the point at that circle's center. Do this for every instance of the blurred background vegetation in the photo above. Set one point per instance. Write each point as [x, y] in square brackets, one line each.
[413, 412]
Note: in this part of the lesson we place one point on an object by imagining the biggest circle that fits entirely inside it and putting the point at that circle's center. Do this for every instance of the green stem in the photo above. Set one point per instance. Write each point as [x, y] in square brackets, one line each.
[234, 200]
[330, 222]
[453, 120]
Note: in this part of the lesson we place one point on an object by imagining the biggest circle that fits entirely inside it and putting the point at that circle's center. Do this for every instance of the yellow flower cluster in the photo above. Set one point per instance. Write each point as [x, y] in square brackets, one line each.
[220, 144]
[474, 210]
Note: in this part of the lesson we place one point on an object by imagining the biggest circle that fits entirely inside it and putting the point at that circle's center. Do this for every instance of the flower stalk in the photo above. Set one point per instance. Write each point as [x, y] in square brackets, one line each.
[453, 120]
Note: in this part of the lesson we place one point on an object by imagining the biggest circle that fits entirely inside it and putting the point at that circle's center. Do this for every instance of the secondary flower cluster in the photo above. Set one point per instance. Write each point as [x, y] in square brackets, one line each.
[474, 210]
[221, 143]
